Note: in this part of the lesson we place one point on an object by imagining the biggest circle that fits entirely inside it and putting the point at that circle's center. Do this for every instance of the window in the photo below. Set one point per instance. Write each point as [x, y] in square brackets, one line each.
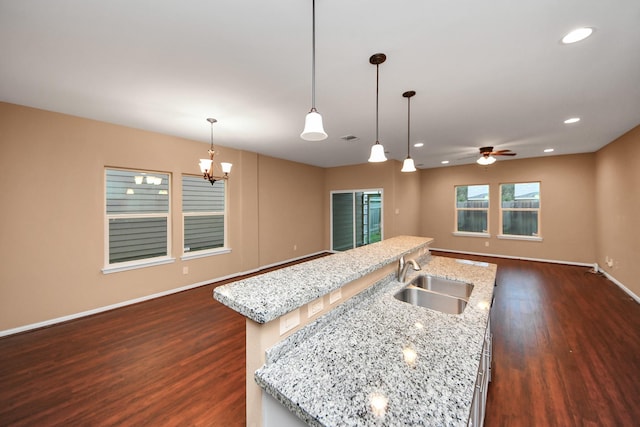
[472, 209]
[520, 209]
[356, 218]
[137, 219]
[203, 211]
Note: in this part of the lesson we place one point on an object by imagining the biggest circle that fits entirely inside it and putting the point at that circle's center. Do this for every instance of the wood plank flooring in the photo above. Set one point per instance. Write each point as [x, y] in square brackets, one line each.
[566, 353]
[566, 348]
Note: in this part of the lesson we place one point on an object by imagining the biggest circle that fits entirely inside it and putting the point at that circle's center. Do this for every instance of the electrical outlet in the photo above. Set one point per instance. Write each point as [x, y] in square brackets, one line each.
[315, 307]
[289, 321]
[486, 244]
[295, 247]
[185, 270]
[335, 296]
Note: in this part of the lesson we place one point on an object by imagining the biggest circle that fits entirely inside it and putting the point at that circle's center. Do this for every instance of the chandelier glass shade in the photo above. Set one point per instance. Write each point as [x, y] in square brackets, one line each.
[207, 165]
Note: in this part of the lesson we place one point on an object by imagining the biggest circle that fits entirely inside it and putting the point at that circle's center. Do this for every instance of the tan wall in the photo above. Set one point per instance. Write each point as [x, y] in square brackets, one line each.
[567, 207]
[52, 228]
[618, 209]
[401, 194]
[291, 209]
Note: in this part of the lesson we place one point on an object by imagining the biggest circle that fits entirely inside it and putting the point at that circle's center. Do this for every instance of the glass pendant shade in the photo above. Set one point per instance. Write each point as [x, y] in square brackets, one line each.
[205, 165]
[408, 165]
[226, 167]
[485, 161]
[313, 129]
[377, 153]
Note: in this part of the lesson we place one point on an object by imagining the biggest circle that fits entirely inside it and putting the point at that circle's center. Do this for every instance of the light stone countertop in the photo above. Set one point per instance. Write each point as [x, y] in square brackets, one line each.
[328, 372]
[268, 296]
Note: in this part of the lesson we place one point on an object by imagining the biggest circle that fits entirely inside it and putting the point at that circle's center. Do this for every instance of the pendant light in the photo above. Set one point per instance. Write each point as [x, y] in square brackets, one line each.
[206, 165]
[313, 129]
[377, 150]
[408, 165]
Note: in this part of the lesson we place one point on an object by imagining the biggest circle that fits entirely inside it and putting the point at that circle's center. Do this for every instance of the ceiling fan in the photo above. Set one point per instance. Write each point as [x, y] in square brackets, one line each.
[487, 153]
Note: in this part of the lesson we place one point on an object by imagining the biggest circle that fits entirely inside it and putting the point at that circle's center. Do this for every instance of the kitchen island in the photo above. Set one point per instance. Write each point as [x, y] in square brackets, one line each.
[375, 360]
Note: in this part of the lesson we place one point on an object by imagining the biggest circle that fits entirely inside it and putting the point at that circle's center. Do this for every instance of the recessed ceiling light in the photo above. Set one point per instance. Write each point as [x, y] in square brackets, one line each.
[577, 35]
[548, 150]
[418, 144]
[445, 162]
[572, 120]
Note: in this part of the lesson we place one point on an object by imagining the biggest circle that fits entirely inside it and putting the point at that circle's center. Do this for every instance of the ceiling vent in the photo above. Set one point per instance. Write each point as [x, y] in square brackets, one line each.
[349, 138]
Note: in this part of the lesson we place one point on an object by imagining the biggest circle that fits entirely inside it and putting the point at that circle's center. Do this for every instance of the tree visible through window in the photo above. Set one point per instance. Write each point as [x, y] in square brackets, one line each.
[472, 208]
[520, 209]
[356, 218]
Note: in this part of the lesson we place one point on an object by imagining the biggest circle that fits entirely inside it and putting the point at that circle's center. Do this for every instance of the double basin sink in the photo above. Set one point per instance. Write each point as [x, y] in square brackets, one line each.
[436, 293]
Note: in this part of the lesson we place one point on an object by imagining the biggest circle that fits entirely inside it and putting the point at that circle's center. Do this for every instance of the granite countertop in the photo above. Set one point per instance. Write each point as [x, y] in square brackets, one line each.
[268, 296]
[329, 372]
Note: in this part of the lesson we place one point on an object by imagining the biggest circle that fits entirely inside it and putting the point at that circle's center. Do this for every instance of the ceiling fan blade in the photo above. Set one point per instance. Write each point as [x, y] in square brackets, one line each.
[504, 154]
[498, 152]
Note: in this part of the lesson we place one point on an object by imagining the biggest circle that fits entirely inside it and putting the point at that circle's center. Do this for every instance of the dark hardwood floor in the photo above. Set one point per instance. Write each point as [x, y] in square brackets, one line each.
[566, 353]
[566, 348]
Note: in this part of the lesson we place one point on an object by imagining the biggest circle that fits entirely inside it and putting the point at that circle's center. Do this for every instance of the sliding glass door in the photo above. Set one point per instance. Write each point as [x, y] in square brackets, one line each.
[356, 218]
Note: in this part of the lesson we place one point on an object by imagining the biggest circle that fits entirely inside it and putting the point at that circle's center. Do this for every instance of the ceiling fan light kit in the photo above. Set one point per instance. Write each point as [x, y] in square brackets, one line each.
[487, 153]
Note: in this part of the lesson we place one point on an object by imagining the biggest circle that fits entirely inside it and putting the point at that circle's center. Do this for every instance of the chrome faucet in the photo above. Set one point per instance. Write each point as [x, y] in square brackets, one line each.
[404, 266]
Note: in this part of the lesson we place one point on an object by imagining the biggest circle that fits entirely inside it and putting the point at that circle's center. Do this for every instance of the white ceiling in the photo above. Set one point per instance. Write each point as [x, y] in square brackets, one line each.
[486, 73]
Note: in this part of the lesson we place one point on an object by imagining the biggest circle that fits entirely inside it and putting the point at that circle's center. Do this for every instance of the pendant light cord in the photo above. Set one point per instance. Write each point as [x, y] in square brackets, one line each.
[377, 89]
[408, 124]
[212, 136]
[313, 56]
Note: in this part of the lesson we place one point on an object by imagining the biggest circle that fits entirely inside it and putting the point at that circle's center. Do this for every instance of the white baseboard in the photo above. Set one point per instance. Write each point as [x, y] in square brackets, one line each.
[620, 285]
[553, 261]
[595, 266]
[74, 316]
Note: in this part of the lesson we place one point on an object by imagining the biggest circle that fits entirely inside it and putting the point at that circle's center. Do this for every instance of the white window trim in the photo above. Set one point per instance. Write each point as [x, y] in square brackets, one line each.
[141, 263]
[205, 253]
[517, 237]
[470, 234]
[538, 236]
[138, 263]
[132, 265]
[484, 233]
[213, 251]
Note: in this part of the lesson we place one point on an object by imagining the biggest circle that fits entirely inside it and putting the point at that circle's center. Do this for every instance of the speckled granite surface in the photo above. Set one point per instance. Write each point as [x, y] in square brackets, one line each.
[268, 296]
[329, 372]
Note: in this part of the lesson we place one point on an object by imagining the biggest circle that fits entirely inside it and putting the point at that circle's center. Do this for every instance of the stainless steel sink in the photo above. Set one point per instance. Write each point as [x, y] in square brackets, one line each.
[434, 301]
[444, 286]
